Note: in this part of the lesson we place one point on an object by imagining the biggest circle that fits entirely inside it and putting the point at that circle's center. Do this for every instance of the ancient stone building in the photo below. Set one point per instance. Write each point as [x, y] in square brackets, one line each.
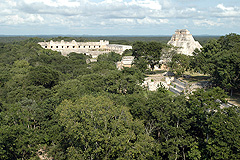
[184, 41]
[90, 48]
[126, 61]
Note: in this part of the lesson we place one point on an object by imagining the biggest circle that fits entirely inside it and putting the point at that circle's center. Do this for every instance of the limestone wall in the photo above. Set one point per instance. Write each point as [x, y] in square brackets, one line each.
[91, 48]
[126, 61]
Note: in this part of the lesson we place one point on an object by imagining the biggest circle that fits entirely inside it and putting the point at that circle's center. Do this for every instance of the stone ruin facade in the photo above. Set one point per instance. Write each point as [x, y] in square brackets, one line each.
[89, 48]
[126, 61]
[184, 41]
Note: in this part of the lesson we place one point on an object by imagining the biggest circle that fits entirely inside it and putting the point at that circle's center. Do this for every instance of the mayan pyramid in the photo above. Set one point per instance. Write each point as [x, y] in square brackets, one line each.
[184, 41]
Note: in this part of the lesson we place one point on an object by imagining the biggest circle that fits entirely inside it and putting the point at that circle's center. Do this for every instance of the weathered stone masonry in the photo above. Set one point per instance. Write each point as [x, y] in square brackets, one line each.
[90, 48]
[184, 41]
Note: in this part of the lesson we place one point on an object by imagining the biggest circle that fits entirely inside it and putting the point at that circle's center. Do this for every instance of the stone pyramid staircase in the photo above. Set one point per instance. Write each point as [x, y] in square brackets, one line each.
[178, 87]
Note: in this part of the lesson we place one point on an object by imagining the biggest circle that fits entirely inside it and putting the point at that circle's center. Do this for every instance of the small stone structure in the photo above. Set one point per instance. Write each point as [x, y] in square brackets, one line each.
[89, 48]
[153, 82]
[170, 82]
[184, 41]
[126, 61]
[178, 87]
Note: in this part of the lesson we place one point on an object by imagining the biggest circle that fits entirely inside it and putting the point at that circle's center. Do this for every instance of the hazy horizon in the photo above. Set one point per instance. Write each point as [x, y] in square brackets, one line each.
[69, 35]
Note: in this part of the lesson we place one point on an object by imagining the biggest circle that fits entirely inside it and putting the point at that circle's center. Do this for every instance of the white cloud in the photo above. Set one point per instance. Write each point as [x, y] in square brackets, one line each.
[123, 21]
[222, 7]
[6, 7]
[227, 11]
[70, 14]
[52, 3]
[107, 9]
[86, 13]
[191, 10]
[11, 3]
[35, 19]
[150, 21]
[12, 20]
[150, 4]
[206, 23]
[18, 20]
[5, 12]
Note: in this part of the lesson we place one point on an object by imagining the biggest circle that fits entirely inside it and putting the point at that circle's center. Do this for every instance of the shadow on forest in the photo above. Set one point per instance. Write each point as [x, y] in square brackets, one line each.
[235, 98]
[155, 72]
[195, 78]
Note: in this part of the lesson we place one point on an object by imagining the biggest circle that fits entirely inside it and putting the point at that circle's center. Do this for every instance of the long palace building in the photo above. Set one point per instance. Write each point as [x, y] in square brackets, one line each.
[90, 48]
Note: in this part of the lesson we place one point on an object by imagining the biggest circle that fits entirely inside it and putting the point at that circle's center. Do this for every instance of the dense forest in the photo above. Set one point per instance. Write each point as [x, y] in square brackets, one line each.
[64, 108]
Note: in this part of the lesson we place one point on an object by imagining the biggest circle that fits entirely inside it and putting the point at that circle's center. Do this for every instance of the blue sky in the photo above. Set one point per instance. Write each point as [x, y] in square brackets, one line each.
[118, 17]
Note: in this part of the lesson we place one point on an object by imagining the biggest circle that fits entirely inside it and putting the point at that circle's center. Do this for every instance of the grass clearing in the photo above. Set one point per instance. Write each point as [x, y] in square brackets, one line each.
[194, 77]
[149, 72]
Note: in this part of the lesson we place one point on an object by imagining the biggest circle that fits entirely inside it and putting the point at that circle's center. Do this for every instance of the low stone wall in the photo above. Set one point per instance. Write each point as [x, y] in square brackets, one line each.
[174, 90]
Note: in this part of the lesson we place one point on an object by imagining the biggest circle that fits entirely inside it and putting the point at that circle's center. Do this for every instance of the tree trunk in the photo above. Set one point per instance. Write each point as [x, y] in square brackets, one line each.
[176, 156]
[184, 158]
